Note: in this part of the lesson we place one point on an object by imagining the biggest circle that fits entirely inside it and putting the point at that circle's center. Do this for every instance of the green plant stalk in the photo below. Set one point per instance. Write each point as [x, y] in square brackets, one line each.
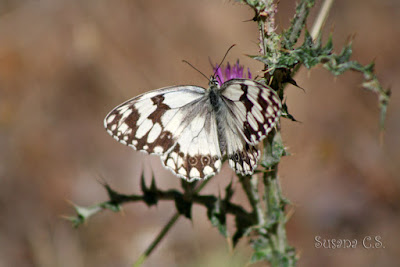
[157, 240]
[271, 244]
[281, 253]
[171, 222]
[274, 203]
[250, 187]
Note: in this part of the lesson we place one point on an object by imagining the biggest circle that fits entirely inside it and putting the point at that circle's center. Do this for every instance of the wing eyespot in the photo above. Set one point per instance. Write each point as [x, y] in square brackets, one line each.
[205, 160]
[192, 161]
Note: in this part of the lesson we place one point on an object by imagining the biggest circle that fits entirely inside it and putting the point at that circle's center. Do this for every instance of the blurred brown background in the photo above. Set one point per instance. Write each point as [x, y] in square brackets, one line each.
[64, 64]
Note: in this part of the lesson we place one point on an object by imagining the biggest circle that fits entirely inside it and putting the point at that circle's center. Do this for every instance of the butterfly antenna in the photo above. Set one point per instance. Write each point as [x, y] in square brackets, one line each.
[184, 61]
[222, 61]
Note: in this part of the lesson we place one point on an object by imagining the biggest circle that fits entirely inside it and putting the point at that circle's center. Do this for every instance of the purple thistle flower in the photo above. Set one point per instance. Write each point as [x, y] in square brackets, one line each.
[228, 72]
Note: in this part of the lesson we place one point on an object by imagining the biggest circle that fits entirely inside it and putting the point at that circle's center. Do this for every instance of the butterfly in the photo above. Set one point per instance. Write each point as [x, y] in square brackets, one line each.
[193, 129]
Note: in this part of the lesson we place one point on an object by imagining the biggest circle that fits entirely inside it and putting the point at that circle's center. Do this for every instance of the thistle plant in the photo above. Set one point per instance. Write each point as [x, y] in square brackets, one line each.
[228, 72]
[264, 225]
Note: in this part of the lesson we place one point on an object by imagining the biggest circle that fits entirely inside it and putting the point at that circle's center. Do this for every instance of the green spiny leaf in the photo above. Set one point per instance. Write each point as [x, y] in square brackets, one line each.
[83, 213]
[114, 196]
[150, 196]
[291, 35]
[229, 192]
[286, 114]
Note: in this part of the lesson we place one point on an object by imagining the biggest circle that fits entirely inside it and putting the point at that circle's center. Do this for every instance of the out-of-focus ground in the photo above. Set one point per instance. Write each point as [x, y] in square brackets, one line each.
[64, 64]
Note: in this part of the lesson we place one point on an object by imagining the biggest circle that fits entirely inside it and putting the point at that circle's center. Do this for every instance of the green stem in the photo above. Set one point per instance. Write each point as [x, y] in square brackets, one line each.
[250, 187]
[164, 231]
[157, 240]
[281, 253]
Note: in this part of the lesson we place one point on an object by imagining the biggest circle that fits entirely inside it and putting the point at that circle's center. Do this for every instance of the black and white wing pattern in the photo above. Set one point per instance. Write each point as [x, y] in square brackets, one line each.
[254, 110]
[173, 122]
[192, 128]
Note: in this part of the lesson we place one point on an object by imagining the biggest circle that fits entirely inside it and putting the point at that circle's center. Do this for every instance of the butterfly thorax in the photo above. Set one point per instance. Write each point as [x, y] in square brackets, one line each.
[214, 94]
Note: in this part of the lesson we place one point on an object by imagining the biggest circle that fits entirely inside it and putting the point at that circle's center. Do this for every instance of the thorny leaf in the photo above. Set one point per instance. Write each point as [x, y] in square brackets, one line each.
[217, 215]
[184, 207]
[286, 114]
[149, 194]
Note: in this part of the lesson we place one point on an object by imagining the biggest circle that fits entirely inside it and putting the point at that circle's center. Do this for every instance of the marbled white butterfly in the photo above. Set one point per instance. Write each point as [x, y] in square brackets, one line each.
[193, 128]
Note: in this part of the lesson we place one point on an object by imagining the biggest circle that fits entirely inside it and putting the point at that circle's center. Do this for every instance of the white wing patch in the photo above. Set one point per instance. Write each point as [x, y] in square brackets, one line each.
[196, 154]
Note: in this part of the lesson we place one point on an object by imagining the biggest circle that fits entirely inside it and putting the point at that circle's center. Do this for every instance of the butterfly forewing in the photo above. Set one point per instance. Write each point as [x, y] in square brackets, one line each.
[149, 122]
[255, 107]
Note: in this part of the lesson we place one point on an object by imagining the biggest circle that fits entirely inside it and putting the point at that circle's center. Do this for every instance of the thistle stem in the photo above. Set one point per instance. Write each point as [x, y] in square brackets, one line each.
[171, 222]
[157, 240]
[250, 187]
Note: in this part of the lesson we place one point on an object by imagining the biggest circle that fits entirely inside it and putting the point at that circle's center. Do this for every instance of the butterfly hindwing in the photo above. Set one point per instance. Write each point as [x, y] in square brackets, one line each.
[196, 154]
[242, 157]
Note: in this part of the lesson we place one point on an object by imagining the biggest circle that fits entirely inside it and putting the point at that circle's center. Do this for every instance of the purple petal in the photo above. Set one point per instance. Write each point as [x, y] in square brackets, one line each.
[228, 72]
[248, 74]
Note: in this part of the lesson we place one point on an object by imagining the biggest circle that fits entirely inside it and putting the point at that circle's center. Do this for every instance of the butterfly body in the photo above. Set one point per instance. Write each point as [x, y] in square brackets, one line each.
[192, 128]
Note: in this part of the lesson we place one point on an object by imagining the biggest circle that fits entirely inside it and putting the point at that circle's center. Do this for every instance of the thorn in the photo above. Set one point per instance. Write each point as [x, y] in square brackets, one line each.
[122, 212]
[100, 179]
[143, 183]
[293, 82]
[153, 186]
[248, 20]
[350, 38]
[381, 138]
[230, 244]
[290, 213]
[309, 74]
[332, 28]
[70, 202]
